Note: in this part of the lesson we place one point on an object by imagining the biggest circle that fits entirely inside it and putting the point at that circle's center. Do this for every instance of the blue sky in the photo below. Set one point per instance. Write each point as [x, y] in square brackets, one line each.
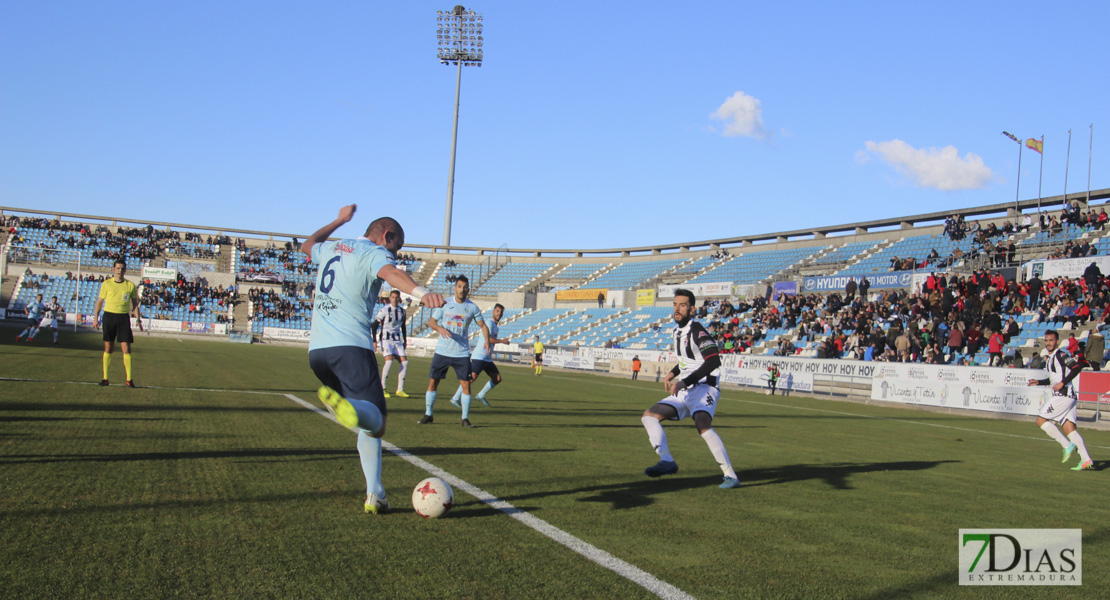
[590, 125]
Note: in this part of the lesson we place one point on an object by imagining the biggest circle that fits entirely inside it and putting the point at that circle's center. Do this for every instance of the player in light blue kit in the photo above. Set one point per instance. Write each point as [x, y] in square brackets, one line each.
[481, 360]
[452, 323]
[34, 311]
[341, 350]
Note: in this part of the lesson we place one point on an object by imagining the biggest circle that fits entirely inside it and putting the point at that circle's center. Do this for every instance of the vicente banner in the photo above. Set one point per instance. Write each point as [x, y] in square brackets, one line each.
[579, 295]
[975, 388]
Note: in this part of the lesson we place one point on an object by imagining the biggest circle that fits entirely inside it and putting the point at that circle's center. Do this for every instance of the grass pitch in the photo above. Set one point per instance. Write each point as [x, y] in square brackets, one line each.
[210, 482]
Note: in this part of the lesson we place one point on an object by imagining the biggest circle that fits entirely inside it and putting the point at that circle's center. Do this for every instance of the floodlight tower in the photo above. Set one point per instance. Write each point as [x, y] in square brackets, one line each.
[459, 33]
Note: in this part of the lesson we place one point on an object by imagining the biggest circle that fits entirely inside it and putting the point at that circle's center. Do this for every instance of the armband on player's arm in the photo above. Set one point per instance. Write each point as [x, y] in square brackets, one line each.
[675, 371]
[419, 292]
[1044, 381]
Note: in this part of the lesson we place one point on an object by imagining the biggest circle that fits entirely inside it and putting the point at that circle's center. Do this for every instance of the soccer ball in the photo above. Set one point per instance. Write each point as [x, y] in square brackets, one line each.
[432, 498]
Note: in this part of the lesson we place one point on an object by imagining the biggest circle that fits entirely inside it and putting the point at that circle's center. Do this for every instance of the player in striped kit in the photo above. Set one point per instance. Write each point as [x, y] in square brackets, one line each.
[694, 391]
[394, 337]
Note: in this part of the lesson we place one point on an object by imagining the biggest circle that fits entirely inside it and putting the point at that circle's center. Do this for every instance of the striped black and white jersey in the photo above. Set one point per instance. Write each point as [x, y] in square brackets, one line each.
[53, 309]
[392, 319]
[699, 358]
[1062, 369]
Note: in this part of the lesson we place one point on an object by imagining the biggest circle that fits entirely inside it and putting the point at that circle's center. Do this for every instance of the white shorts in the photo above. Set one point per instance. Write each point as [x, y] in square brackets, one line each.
[48, 322]
[393, 348]
[1059, 409]
[700, 398]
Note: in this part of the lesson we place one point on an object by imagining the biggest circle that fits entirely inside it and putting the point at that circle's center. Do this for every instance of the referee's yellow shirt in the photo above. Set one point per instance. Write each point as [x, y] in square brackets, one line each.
[118, 296]
[537, 348]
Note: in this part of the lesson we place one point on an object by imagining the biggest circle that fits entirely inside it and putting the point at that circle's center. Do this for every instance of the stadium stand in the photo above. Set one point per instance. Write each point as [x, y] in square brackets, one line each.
[631, 275]
[753, 267]
[511, 277]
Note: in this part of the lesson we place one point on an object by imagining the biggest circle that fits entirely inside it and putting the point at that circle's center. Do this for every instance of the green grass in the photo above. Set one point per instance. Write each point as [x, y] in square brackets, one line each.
[165, 492]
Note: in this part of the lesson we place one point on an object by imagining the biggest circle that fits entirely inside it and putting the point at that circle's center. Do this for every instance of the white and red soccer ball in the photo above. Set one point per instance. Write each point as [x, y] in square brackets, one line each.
[432, 498]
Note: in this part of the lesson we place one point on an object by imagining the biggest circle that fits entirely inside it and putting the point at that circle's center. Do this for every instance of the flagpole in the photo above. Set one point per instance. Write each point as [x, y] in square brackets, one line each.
[1090, 153]
[1067, 163]
[1040, 178]
[1017, 192]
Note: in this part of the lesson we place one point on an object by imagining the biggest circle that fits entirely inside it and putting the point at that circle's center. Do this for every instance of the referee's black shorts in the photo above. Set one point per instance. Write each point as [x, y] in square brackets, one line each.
[117, 328]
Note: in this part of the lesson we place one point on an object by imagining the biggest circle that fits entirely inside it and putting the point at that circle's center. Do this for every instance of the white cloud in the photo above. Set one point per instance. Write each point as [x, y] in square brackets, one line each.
[743, 117]
[940, 168]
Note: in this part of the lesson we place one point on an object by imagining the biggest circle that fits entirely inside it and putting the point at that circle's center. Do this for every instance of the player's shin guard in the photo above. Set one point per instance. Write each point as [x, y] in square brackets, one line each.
[370, 453]
[385, 373]
[1080, 445]
[107, 360]
[466, 406]
[401, 376]
[127, 365]
[657, 437]
[489, 386]
[369, 416]
[1053, 432]
[717, 447]
[429, 402]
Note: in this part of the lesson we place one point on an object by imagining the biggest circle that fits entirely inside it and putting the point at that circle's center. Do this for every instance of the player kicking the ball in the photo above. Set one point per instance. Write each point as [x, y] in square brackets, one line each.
[694, 393]
[1060, 406]
[341, 349]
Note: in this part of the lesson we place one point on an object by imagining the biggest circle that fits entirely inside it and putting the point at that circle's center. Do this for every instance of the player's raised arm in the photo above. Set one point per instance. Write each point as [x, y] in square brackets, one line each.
[345, 215]
[402, 281]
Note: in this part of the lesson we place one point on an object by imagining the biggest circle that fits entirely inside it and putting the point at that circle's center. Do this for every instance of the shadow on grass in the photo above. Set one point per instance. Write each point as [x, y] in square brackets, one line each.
[637, 494]
[834, 474]
[629, 494]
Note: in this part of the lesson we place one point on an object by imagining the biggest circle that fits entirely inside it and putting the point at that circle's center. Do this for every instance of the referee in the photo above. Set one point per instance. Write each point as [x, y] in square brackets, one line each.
[120, 300]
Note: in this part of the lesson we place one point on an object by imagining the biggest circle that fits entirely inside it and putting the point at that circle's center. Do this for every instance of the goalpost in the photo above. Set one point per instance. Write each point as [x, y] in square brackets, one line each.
[16, 259]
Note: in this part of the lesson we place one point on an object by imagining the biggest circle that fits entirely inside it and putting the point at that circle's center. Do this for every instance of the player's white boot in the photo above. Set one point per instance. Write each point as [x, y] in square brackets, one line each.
[376, 505]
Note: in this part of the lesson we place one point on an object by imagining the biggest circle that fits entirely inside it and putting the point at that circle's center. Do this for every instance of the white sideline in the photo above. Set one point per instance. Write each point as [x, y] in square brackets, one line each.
[596, 555]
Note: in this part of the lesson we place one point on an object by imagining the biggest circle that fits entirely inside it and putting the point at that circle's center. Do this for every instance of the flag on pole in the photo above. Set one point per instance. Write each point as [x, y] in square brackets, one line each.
[1011, 136]
[1035, 145]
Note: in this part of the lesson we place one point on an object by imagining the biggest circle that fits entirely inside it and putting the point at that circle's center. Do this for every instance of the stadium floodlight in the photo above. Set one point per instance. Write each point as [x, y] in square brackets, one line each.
[459, 43]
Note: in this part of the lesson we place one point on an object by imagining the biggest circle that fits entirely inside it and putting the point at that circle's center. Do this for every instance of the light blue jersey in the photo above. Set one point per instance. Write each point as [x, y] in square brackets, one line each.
[456, 318]
[35, 310]
[480, 352]
[347, 285]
